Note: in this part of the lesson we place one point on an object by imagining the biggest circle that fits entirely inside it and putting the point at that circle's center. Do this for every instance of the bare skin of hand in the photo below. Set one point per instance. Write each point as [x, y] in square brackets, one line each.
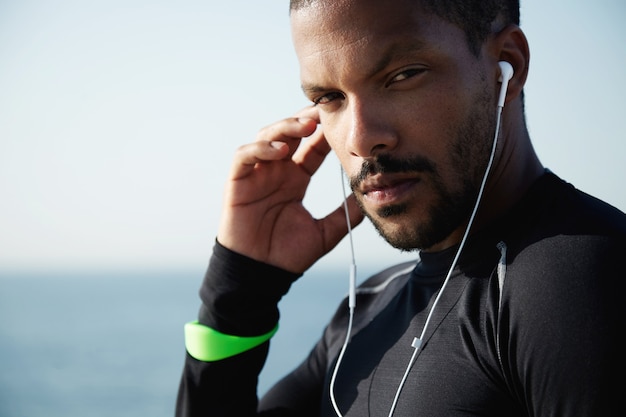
[262, 215]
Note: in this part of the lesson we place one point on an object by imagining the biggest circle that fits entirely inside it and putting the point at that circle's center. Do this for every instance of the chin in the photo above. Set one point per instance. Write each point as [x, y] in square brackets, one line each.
[411, 231]
[400, 231]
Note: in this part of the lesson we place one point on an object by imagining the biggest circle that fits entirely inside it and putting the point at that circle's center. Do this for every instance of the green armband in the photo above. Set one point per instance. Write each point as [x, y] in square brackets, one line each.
[208, 345]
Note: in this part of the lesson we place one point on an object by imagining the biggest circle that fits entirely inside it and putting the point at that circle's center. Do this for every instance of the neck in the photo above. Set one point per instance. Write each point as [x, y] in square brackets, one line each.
[515, 168]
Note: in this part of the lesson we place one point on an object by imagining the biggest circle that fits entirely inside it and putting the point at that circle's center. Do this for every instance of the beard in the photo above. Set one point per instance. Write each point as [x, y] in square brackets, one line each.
[453, 205]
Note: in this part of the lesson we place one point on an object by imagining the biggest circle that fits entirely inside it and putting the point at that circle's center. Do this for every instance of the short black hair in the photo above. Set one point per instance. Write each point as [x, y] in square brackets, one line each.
[475, 17]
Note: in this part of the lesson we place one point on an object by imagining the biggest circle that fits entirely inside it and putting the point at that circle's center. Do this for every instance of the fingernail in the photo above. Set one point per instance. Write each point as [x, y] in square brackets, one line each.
[277, 145]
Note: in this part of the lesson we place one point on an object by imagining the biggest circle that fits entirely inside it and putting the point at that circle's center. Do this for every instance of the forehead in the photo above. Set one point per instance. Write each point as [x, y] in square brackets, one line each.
[327, 33]
[348, 21]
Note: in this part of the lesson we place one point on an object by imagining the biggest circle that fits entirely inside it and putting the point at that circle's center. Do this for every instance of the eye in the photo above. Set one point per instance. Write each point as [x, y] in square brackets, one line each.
[406, 74]
[327, 98]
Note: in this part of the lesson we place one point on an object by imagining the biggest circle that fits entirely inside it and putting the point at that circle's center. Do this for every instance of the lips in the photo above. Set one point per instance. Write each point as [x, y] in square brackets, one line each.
[387, 189]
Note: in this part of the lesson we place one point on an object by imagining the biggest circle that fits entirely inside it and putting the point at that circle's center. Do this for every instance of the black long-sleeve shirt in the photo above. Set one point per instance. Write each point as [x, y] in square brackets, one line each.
[530, 324]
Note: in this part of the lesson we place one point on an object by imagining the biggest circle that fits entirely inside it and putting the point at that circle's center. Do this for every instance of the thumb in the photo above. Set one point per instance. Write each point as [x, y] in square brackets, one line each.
[335, 225]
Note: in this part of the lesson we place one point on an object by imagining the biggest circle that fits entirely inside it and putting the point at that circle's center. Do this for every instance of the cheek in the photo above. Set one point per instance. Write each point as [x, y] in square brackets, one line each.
[336, 138]
[351, 166]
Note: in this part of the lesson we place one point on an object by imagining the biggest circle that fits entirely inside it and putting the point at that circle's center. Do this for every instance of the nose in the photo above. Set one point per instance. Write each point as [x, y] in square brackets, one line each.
[370, 129]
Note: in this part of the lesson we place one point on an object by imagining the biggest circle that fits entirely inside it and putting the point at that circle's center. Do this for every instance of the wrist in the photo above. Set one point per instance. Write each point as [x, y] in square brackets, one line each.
[209, 345]
[240, 295]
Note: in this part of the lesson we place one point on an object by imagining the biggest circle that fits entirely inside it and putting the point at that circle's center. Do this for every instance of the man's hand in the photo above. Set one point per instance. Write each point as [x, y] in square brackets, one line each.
[263, 216]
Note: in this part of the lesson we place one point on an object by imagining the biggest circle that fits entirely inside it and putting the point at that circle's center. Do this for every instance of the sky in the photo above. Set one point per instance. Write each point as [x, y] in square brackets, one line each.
[119, 119]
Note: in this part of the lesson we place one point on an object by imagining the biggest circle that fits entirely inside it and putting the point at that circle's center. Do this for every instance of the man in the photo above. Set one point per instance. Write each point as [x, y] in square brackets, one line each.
[512, 309]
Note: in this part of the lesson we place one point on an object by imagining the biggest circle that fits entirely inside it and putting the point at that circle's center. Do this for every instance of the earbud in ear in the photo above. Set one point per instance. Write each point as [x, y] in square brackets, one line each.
[506, 73]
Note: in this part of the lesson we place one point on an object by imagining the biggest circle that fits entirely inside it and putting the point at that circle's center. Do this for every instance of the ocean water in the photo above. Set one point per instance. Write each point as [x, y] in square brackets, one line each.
[111, 344]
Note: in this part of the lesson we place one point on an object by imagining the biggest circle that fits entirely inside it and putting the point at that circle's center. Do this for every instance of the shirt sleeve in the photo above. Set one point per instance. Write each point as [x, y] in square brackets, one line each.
[239, 297]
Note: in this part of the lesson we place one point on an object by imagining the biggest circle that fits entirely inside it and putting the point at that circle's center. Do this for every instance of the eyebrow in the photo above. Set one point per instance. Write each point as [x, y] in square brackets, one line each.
[396, 51]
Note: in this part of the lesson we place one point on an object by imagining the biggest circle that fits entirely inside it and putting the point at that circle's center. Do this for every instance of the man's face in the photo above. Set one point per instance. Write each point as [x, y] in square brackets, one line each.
[407, 109]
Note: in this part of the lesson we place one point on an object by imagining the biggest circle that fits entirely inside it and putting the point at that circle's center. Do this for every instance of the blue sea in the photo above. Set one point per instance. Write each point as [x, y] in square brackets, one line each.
[111, 344]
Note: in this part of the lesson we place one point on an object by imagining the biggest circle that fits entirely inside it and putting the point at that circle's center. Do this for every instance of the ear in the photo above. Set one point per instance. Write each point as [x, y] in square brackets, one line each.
[511, 45]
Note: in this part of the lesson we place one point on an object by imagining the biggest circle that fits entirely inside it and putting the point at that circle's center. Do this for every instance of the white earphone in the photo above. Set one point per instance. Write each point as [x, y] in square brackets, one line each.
[505, 76]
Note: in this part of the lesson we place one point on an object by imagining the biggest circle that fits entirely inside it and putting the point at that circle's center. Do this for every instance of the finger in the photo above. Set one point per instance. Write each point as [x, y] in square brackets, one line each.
[247, 156]
[310, 112]
[288, 129]
[274, 142]
[312, 152]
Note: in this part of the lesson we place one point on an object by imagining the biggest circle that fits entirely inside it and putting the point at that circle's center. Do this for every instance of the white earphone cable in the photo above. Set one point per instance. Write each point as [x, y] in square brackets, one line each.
[351, 300]
[417, 342]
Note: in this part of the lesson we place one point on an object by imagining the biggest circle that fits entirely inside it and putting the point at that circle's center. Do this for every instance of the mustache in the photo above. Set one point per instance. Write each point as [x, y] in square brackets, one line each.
[386, 164]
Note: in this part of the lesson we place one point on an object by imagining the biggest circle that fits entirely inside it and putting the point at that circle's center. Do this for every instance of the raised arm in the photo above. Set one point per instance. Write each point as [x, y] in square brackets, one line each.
[266, 240]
